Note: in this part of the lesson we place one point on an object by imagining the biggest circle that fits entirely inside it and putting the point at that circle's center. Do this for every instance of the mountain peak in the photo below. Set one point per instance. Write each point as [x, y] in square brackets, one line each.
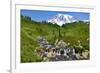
[61, 19]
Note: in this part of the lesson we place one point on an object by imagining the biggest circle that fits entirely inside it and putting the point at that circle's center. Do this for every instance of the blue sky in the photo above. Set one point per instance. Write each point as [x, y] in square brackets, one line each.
[46, 15]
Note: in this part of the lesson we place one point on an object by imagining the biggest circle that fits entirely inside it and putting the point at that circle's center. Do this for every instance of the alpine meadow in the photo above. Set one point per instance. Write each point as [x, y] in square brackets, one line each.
[48, 36]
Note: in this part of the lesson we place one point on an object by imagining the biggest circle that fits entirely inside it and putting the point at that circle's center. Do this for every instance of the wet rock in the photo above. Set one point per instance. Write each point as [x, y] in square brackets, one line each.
[85, 54]
[61, 44]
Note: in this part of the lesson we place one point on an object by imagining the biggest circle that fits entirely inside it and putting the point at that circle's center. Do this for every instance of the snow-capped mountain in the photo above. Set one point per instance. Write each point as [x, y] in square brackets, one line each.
[61, 19]
[86, 20]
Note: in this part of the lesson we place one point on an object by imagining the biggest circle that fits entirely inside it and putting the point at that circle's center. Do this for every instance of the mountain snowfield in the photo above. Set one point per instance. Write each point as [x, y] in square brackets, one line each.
[61, 19]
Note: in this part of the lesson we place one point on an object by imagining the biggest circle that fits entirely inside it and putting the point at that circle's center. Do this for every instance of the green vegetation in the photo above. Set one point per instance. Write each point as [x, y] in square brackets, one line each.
[30, 30]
